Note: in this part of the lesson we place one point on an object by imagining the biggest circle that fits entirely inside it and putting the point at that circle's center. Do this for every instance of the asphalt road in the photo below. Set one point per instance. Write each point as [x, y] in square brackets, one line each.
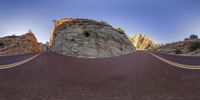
[188, 60]
[138, 76]
[13, 59]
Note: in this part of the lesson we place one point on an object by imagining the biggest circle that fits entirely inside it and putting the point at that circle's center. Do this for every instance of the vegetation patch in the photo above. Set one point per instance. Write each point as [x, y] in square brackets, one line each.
[193, 36]
[120, 30]
[194, 46]
[177, 51]
[105, 23]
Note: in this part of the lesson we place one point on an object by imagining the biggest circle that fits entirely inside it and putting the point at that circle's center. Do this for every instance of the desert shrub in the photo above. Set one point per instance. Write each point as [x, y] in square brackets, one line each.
[120, 30]
[177, 51]
[105, 23]
[194, 46]
[193, 36]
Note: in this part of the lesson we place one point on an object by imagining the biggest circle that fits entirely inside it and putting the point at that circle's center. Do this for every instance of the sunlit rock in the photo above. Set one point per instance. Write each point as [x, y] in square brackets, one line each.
[88, 38]
[142, 42]
[15, 45]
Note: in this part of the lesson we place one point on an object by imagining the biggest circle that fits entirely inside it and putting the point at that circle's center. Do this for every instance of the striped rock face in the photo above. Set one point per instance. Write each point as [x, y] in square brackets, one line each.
[88, 38]
[142, 42]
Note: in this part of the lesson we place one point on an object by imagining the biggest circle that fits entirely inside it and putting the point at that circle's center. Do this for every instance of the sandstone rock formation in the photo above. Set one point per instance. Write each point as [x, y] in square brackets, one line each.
[88, 38]
[15, 45]
[142, 42]
[186, 47]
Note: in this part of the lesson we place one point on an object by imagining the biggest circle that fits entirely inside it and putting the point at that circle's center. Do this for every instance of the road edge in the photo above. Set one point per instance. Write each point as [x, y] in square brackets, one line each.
[176, 64]
[18, 63]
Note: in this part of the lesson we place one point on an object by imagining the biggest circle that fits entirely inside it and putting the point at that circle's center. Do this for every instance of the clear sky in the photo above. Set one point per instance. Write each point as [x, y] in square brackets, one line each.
[162, 20]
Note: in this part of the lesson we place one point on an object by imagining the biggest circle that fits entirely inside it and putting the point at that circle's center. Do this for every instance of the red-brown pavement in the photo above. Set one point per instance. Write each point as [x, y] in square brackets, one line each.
[12, 59]
[187, 60]
[138, 76]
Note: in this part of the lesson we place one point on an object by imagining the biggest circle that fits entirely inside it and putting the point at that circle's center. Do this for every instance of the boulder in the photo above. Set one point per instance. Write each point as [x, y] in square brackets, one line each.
[88, 38]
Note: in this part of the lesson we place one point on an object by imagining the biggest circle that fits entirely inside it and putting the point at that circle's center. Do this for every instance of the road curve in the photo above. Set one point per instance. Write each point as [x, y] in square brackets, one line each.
[192, 67]
[13, 59]
[138, 76]
[6, 66]
[186, 60]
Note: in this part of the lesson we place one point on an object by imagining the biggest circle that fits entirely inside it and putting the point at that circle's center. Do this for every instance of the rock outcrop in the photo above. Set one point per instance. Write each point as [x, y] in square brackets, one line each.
[142, 42]
[88, 38]
[185, 47]
[15, 45]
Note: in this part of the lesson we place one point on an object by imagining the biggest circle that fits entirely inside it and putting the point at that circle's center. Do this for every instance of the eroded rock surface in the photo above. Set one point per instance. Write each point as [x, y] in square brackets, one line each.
[142, 42]
[185, 47]
[15, 45]
[88, 38]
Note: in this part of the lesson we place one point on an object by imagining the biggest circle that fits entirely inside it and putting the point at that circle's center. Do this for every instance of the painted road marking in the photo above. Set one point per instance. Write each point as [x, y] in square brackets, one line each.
[18, 63]
[176, 64]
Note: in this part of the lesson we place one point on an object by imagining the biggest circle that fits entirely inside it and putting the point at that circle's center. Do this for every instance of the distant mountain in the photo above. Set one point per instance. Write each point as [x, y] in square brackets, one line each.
[142, 42]
[15, 45]
[45, 46]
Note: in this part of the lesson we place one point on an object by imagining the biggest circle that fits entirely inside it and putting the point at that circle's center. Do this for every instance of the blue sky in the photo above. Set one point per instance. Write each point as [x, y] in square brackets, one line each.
[162, 20]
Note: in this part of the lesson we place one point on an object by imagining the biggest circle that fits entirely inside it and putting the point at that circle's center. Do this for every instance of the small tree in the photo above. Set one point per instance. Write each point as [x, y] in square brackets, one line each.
[193, 36]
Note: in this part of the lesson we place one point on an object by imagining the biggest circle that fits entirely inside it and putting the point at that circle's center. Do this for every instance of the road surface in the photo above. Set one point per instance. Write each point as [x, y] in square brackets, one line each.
[12, 59]
[138, 76]
[189, 60]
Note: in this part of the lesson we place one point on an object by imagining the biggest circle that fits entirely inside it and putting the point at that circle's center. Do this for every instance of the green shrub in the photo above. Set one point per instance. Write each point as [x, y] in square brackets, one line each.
[194, 46]
[193, 36]
[120, 30]
[105, 23]
[177, 51]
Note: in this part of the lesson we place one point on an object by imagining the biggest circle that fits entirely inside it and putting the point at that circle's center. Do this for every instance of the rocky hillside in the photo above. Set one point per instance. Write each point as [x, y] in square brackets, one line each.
[14, 45]
[142, 42]
[88, 38]
[186, 47]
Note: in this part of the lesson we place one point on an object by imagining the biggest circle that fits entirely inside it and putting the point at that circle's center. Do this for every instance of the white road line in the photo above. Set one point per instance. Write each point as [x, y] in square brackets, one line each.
[18, 63]
[176, 64]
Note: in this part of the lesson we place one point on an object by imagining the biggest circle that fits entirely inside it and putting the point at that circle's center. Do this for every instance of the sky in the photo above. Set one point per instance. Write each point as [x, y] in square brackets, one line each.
[163, 21]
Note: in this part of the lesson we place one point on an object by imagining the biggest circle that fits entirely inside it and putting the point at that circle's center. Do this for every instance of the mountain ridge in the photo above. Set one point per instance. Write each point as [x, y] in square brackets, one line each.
[142, 42]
